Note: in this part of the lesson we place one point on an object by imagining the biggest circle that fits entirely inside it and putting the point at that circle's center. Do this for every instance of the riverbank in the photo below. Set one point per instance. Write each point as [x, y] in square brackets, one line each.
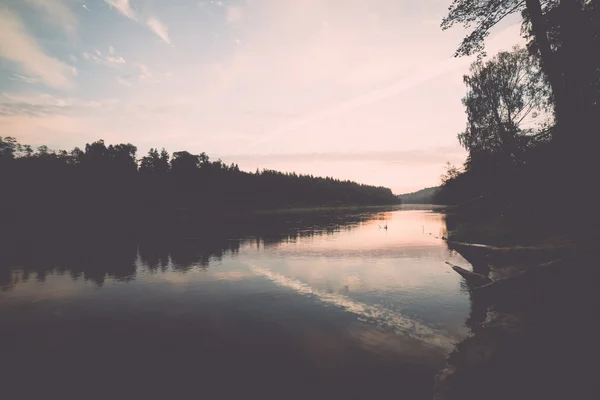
[533, 333]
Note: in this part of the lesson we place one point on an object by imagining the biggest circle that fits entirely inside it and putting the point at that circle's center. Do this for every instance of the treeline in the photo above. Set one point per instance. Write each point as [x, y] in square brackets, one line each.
[423, 196]
[533, 114]
[104, 183]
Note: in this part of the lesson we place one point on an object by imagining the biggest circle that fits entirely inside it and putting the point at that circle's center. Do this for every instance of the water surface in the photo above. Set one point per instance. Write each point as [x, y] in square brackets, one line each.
[294, 305]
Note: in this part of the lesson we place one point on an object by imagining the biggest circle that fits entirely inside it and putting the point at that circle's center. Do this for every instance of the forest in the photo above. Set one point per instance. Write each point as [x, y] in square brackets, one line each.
[532, 115]
[108, 183]
[423, 196]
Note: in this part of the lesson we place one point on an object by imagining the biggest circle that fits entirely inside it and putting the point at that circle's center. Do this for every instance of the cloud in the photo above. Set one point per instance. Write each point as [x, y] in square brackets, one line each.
[123, 81]
[19, 47]
[234, 14]
[86, 7]
[57, 12]
[391, 319]
[123, 7]
[153, 23]
[371, 97]
[145, 73]
[142, 74]
[42, 105]
[72, 58]
[22, 78]
[159, 28]
[111, 50]
[108, 60]
[437, 156]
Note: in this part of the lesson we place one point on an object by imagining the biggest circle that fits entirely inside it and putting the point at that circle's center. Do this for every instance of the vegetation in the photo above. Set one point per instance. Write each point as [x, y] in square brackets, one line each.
[532, 113]
[108, 183]
[423, 196]
[528, 181]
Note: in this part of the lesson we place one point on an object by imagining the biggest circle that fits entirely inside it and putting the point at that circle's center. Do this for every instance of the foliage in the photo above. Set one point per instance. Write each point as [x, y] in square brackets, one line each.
[484, 15]
[104, 183]
[423, 196]
[503, 93]
[8, 146]
[515, 170]
[563, 35]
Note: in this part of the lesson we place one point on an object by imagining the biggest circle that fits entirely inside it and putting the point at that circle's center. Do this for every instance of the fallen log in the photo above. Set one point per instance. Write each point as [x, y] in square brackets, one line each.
[472, 278]
[508, 249]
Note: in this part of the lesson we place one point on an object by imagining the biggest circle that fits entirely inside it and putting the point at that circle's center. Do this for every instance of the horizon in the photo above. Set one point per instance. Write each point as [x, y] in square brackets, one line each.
[341, 92]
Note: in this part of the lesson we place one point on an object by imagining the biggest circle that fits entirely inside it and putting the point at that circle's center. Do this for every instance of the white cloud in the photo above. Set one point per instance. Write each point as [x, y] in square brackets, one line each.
[234, 14]
[145, 73]
[115, 60]
[108, 60]
[153, 23]
[111, 50]
[72, 58]
[123, 7]
[124, 81]
[57, 12]
[159, 28]
[86, 7]
[19, 47]
[43, 104]
[23, 78]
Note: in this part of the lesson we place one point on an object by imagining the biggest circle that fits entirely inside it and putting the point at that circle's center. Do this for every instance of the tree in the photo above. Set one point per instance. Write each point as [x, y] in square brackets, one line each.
[502, 93]
[155, 162]
[122, 156]
[451, 173]
[8, 146]
[573, 31]
[184, 161]
[163, 163]
[96, 154]
[43, 151]
[149, 163]
[27, 150]
[562, 70]
[76, 155]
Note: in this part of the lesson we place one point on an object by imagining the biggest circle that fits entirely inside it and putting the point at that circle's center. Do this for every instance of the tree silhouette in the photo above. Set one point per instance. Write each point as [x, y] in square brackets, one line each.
[103, 186]
[8, 146]
[573, 23]
[502, 93]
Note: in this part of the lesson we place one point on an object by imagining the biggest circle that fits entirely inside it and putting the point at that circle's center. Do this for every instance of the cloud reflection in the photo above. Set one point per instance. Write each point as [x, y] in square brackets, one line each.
[383, 317]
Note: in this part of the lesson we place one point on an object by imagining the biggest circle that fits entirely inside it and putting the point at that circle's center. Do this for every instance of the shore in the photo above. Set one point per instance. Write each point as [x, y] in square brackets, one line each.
[532, 321]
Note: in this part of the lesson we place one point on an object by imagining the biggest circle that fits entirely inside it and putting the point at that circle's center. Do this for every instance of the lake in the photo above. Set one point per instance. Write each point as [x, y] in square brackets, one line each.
[314, 304]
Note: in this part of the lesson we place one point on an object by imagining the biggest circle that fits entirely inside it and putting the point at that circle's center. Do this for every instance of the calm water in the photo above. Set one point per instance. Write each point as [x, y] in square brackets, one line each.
[309, 305]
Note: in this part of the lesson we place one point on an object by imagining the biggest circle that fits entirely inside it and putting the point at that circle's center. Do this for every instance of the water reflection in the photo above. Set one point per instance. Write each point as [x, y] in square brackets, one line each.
[96, 256]
[325, 301]
[368, 313]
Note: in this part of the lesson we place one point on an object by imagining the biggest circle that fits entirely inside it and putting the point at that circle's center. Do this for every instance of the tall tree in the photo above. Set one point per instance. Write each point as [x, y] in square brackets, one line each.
[563, 70]
[503, 93]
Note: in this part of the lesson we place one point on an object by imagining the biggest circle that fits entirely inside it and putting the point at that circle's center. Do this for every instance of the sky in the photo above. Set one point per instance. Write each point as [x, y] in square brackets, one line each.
[365, 90]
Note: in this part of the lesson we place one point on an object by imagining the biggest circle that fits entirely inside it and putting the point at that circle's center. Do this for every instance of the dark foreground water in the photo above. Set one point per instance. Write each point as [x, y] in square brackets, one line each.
[310, 305]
